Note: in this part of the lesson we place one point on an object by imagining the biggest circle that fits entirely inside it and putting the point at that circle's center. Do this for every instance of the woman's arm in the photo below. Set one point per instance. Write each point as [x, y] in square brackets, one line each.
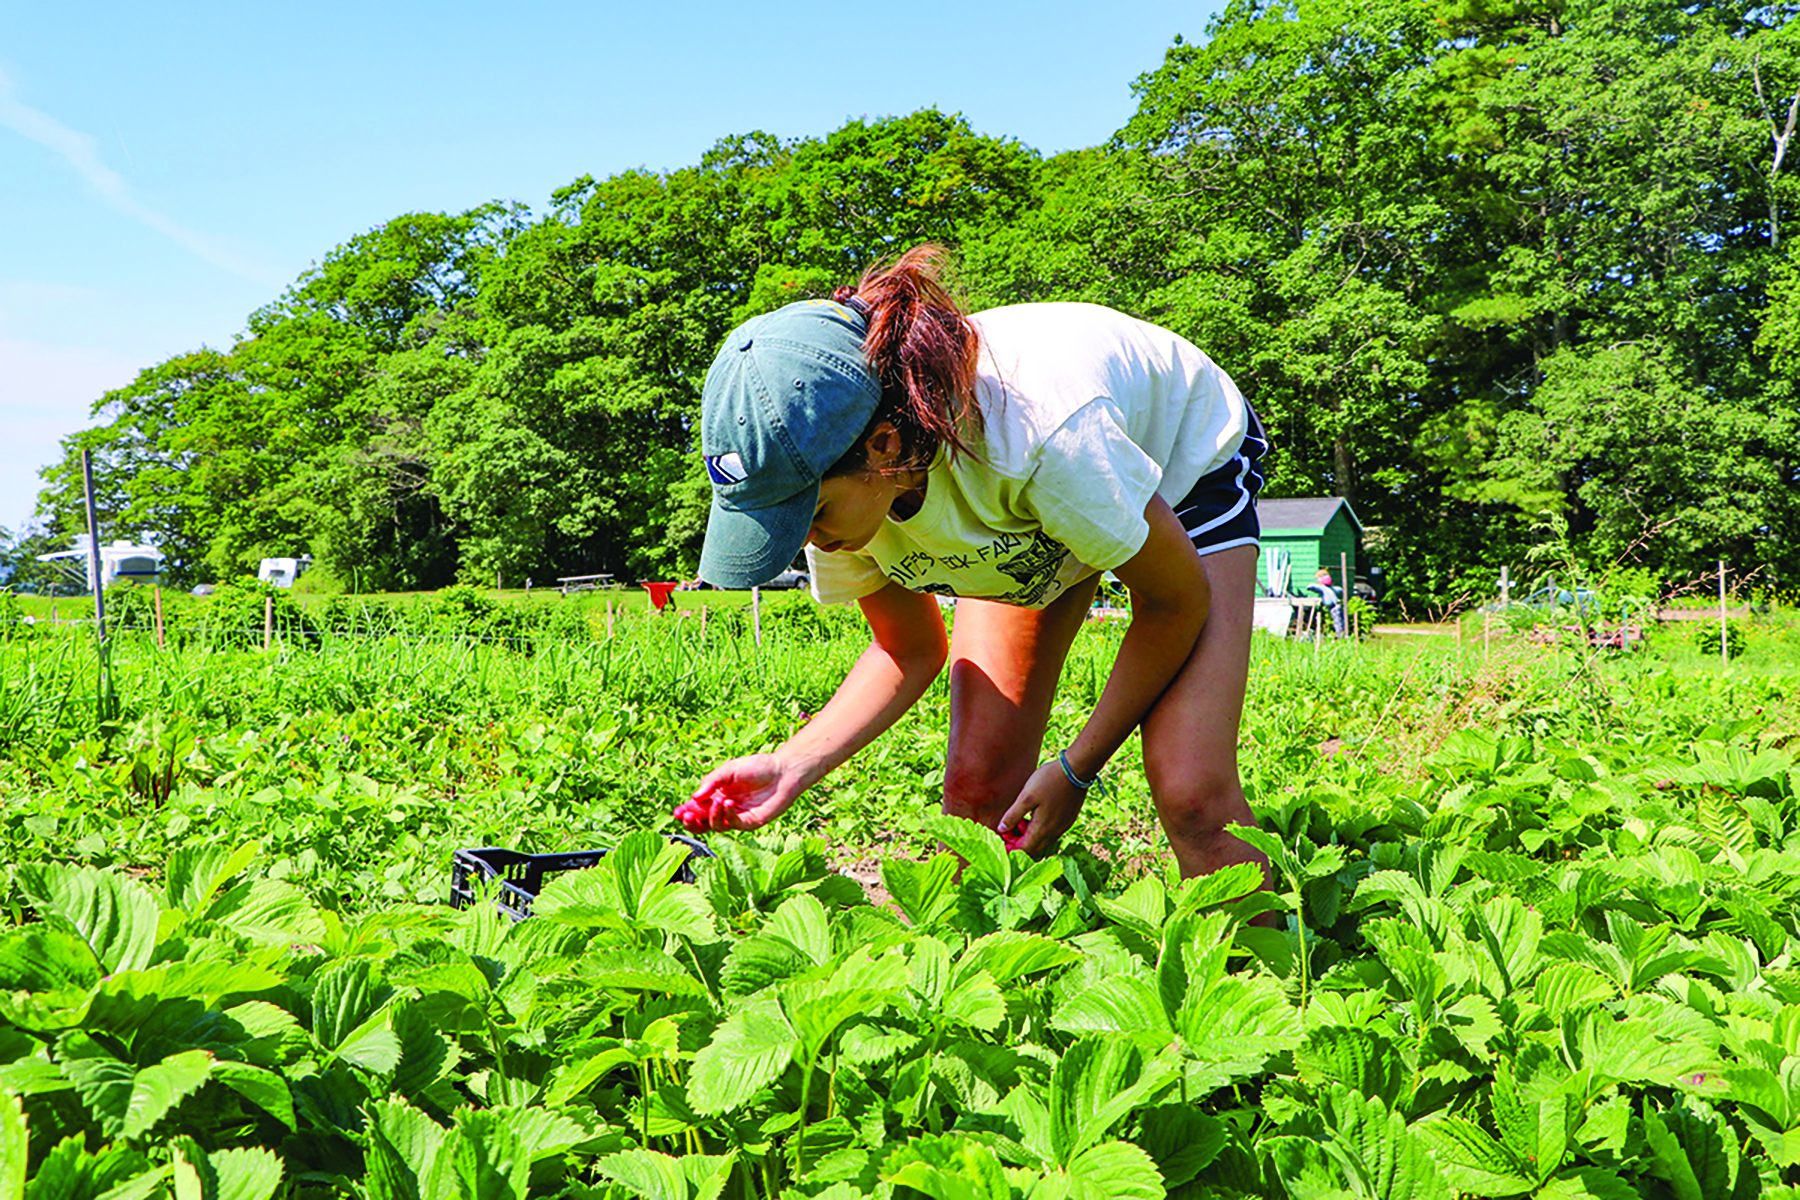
[907, 652]
[1169, 602]
[905, 655]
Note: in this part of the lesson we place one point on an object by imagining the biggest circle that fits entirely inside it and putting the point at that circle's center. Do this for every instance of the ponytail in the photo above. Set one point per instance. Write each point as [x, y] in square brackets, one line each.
[924, 352]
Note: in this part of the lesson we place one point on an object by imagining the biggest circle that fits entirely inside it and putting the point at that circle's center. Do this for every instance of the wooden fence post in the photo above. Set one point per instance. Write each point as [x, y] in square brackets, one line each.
[268, 621]
[159, 617]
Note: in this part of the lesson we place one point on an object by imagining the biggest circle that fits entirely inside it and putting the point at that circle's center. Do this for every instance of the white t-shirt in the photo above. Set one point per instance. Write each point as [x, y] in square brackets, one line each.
[1088, 413]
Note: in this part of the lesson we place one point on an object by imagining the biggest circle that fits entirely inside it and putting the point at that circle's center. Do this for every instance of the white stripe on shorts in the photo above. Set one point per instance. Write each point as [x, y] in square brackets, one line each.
[1242, 500]
[1226, 546]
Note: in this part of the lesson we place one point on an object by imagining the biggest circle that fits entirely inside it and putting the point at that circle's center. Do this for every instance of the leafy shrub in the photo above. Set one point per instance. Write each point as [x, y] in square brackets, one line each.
[801, 616]
[130, 606]
[565, 622]
[1628, 593]
[363, 616]
[319, 580]
[462, 606]
[236, 612]
[465, 610]
[1706, 637]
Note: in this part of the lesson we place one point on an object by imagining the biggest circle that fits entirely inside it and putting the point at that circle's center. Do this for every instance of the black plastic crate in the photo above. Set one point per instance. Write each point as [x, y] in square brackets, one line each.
[520, 877]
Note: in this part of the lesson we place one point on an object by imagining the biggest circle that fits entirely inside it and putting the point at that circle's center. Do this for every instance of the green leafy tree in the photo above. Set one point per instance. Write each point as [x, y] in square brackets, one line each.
[20, 570]
[297, 438]
[1632, 145]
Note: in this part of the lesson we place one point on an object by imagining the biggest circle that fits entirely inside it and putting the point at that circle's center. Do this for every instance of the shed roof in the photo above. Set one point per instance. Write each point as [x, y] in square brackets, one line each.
[1303, 514]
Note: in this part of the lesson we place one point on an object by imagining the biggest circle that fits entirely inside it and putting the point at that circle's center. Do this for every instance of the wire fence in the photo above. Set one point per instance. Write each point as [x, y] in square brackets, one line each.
[58, 681]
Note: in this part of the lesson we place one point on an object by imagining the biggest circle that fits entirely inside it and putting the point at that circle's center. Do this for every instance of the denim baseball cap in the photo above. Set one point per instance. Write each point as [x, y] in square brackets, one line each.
[786, 396]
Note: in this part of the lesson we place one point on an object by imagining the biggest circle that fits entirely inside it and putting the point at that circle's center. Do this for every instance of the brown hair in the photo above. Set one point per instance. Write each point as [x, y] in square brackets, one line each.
[924, 351]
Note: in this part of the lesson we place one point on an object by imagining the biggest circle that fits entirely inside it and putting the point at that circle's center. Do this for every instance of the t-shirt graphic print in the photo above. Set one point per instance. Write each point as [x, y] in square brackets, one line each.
[1088, 414]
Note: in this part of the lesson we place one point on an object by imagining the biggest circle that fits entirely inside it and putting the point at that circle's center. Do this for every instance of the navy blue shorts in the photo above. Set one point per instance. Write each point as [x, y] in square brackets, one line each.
[1220, 511]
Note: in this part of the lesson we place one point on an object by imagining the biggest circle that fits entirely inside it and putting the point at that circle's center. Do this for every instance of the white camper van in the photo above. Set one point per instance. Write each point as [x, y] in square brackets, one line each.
[120, 560]
[282, 572]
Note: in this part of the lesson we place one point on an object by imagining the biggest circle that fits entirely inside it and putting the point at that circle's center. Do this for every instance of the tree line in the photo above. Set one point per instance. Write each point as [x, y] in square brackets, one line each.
[1479, 264]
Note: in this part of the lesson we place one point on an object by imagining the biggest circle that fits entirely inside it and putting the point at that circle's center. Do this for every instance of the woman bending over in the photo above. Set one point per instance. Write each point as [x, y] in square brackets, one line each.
[1007, 459]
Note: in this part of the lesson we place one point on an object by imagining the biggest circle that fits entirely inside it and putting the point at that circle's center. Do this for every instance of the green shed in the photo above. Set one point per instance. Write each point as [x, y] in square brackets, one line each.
[1308, 533]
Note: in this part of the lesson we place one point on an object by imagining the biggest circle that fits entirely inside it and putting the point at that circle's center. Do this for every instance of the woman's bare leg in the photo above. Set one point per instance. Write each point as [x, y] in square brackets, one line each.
[1004, 664]
[1191, 735]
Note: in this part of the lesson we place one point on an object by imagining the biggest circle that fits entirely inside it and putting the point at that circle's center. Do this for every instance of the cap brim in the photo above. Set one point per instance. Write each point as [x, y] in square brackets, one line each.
[748, 547]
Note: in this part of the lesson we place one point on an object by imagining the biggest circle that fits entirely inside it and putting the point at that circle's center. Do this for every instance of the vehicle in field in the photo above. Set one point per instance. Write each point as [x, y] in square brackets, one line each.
[120, 561]
[1543, 598]
[793, 577]
[282, 572]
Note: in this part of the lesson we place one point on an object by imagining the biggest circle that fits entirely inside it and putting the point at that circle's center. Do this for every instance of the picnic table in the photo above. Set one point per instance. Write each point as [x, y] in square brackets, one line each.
[580, 583]
[1293, 616]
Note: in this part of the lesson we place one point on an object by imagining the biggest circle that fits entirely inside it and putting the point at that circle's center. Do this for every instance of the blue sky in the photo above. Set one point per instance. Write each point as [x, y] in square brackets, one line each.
[167, 169]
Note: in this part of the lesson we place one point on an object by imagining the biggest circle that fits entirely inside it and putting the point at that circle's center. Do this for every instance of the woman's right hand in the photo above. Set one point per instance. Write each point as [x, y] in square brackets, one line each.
[744, 793]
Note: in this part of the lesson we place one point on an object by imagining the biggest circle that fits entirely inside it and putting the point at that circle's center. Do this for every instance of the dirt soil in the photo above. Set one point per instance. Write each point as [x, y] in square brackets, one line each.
[867, 872]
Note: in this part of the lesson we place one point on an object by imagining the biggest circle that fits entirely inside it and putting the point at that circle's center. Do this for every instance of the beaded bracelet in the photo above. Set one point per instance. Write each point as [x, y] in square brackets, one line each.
[1075, 781]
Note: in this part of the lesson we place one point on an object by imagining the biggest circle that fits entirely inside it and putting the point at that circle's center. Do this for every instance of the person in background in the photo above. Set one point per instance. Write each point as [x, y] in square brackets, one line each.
[1005, 459]
[1328, 595]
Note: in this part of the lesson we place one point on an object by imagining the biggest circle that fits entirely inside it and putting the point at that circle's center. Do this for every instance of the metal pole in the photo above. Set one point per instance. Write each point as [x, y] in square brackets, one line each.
[1344, 595]
[93, 531]
[1724, 642]
[106, 705]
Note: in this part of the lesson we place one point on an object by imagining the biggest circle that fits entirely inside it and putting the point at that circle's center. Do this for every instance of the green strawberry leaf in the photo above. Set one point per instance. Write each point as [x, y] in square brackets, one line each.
[15, 1143]
[750, 1050]
[113, 915]
[244, 1173]
[127, 1101]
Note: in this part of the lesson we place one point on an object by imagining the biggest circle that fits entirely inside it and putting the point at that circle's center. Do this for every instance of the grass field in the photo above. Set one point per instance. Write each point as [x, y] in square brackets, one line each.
[1537, 904]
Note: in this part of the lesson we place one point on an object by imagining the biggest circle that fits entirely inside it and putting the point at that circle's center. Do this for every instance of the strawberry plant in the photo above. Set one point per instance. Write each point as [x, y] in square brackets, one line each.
[1525, 945]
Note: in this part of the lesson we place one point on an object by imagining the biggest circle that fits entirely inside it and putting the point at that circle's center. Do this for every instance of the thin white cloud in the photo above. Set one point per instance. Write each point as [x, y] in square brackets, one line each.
[79, 151]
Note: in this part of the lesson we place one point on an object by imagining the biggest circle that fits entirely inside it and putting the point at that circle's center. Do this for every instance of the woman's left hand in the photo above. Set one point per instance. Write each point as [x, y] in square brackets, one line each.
[1052, 803]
